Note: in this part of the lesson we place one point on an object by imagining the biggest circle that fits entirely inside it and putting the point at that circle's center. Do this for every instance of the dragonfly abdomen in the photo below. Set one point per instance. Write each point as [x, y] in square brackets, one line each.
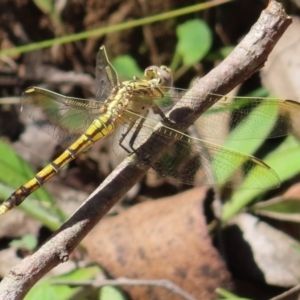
[100, 128]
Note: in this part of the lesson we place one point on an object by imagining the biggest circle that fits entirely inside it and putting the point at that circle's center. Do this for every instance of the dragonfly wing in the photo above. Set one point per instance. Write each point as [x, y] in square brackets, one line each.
[272, 117]
[106, 76]
[64, 118]
[197, 162]
[253, 118]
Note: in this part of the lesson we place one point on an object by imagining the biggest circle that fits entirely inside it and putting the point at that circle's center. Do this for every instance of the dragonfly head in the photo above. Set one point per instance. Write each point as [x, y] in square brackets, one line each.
[160, 76]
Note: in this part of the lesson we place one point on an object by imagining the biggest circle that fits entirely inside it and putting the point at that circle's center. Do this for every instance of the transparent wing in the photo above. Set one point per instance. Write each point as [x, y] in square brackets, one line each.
[106, 76]
[197, 162]
[282, 115]
[64, 118]
[190, 160]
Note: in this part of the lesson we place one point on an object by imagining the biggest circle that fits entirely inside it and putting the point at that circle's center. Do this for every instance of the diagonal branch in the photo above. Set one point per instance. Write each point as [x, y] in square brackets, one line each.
[249, 56]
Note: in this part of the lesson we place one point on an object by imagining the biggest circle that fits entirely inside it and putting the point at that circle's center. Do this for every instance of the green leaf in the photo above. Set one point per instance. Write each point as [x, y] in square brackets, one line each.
[15, 171]
[228, 295]
[283, 160]
[194, 41]
[248, 146]
[219, 54]
[251, 145]
[47, 290]
[43, 291]
[127, 67]
[45, 6]
[28, 241]
[110, 293]
[280, 208]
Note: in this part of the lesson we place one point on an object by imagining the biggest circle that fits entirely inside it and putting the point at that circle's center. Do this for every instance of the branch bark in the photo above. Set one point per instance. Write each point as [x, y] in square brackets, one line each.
[249, 56]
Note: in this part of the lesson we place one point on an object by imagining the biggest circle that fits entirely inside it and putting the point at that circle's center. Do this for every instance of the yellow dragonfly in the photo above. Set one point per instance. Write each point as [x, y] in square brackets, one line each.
[128, 106]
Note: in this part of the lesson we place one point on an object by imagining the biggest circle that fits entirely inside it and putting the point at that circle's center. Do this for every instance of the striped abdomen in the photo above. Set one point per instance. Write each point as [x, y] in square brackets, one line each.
[100, 128]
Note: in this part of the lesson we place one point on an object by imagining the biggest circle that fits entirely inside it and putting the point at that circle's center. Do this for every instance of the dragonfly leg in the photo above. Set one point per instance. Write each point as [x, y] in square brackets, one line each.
[159, 112]
[133, 138]
[134, 135]
[136, 132]
[123, 136]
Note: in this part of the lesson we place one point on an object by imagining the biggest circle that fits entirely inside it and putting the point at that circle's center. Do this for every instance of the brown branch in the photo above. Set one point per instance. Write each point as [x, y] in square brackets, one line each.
[97, 283]
[286, 295]
[248, 56]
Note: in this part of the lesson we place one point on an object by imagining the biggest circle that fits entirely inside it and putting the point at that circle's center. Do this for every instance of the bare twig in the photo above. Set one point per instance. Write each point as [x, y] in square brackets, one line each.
[247, 57]
[286, 295]
[97, 283]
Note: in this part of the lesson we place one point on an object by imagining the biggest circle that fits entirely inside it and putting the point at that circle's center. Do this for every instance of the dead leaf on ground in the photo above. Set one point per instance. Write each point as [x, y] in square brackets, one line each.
[17, 223]
[258, 252]
[163, 239]
[280, 72]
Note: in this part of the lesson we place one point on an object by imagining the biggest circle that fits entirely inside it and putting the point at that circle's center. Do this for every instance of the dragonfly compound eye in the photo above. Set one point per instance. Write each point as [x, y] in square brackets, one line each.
[166, 76]
[151, 72]
[161, 76]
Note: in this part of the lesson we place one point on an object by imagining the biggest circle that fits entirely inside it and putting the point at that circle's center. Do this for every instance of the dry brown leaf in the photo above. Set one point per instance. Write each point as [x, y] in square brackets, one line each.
[18, 224]
[281, 72]
[163, 239]
[258, 252]
[293, 192]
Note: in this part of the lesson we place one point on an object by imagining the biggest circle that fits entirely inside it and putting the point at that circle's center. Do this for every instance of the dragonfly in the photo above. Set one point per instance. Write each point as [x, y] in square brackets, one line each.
[133, 108]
